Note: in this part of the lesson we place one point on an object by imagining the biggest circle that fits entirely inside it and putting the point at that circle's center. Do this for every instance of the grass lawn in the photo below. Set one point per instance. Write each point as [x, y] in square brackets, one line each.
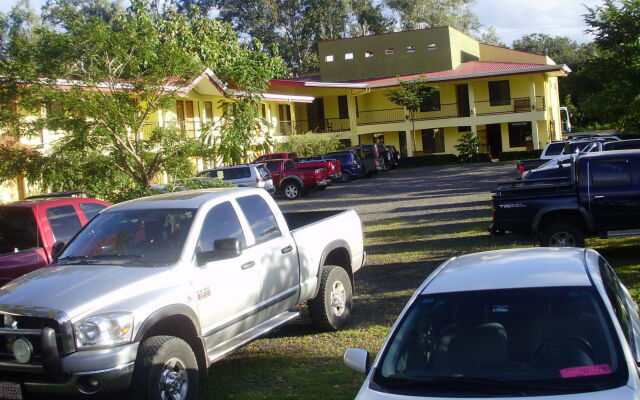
[403, 246]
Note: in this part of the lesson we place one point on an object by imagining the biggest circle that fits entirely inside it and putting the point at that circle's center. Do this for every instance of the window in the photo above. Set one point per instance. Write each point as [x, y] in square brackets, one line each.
[499, 93]
[208, 111]
[55, 109]
[519, 133]
[610, 173]
[368, 54]
[348, 56]
[234, 173]
[18, 230]
[410, 49]
[186, 116]
[464, 129]
[64, 222]
[263, 223]
[90, 210]
[263, 111]
[433, 141]
[389, 52]
[431, 102]
[329, 58]
[554, 149]
[432, 46]
[221, 222]
[343, 107]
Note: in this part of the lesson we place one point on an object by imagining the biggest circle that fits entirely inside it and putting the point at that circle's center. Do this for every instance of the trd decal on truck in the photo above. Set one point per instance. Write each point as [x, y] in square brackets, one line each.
[204, 293]
[512, 205]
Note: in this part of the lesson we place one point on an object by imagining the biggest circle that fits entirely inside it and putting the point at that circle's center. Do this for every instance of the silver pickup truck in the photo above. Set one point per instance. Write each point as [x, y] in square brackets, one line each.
[152, 291]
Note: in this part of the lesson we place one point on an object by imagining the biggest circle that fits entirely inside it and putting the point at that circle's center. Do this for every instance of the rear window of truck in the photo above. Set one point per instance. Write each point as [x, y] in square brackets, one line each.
[18, 230]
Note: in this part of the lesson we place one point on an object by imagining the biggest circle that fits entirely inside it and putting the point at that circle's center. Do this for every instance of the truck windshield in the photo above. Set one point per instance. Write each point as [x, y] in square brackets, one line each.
[152, 238]
[17, 230]
[530, 341]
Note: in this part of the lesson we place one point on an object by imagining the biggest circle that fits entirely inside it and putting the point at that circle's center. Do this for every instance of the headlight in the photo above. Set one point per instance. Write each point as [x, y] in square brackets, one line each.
[103, 330]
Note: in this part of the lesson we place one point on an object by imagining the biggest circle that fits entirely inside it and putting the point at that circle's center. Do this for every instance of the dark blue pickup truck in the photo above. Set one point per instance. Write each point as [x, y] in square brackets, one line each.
[601, 197]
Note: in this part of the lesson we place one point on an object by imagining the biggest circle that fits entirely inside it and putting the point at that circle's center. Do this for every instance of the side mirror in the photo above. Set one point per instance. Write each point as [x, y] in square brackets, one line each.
[57, 249]
[357, 359]
[560, 164]
[223, 249]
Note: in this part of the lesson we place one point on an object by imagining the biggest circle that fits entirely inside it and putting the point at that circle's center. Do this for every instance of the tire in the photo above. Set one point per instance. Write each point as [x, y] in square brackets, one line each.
[562, 234]
[331, 308]
[165, 368]
[292, 190]
[346, 177]
[320, 188]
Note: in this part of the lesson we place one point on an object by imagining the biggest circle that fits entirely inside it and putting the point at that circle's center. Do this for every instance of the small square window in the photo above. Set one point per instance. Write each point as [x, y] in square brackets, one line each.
[348, 56]
[389, 52]
[432, 46]
[368, 54]
[329, 58]
[410, 49]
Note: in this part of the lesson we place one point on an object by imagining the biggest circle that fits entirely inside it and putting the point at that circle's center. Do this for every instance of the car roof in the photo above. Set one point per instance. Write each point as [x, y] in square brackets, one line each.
[228, 167]
[52, 201]
[191, 199]
[512, 268]
[609, 154]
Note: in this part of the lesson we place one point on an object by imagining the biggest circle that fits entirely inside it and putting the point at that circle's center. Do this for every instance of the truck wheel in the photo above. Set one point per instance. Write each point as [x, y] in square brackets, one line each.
[166, 369]
[292, 190]
[322, 187]
[562, 234]
[346, 177]
[331, 308]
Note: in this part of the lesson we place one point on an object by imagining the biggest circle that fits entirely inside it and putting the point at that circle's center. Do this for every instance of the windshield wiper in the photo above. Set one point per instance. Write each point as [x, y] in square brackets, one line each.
[133, 258]
[72, 258]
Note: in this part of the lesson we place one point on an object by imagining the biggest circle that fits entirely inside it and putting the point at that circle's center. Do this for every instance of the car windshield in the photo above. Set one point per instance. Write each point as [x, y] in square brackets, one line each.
[571, 148]
[554, 162]
[555, 149]
[530, 340]
[17, 230]
[152, 238]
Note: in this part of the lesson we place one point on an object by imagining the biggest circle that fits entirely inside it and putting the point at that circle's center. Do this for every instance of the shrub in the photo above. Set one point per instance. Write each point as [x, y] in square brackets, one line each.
[468, 147]
[309, 144]
[428, 160]
[519, 155]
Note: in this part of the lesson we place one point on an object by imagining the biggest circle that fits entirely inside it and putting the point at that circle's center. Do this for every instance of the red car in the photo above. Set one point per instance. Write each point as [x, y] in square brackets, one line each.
[332, 165]
[277, 156]
[29, 229]
[294, 182]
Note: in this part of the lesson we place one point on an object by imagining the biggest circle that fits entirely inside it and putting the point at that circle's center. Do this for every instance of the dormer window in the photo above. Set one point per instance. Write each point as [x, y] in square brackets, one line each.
[389, 52]
[368, 54]
[329, 58]
[410, 49]
[348, 56]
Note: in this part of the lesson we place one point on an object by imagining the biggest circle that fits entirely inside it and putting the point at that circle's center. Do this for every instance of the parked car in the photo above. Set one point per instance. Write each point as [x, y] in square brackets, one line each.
[294, 182]
[569, 147]
[599, 198]
[252, 175]
[277, 156]
[350, 164]
[30, 229]
[511, 324]
[622, 145]
[156, 289]
[370, 157]
[333, 167]
[395, 155]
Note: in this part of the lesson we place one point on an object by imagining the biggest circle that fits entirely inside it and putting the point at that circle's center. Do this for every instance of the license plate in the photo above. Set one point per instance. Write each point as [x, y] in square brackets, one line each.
[10, 391]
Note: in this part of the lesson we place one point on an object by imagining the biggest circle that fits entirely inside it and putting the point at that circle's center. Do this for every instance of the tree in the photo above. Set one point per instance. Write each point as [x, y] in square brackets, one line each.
[411, 95]
[368, 19]
[117, 73]
[418, 14]
[560, 49]
[490, 36]
[613, 72]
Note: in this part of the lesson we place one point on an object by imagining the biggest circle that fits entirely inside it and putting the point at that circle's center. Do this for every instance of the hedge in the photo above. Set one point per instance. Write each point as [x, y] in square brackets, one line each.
[519, 155]
[436, 159]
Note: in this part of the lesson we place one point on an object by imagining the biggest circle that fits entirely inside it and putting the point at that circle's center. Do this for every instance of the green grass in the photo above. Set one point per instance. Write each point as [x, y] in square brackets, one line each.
[297, 362]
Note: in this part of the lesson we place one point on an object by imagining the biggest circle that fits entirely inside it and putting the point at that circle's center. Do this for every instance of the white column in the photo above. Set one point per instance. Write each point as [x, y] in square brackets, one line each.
[353, 118]
[534, 135]
[532, 95]
[472, 100]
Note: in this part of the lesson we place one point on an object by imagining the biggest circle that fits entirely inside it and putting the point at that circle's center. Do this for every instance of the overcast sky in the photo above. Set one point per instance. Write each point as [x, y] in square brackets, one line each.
[511, 18]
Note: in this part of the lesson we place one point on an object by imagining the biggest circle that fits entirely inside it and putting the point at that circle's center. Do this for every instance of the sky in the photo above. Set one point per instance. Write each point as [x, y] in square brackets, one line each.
[511, 18]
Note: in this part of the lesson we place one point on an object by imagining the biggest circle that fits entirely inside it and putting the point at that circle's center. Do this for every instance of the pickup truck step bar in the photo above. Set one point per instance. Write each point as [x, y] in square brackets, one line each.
[622, 233]
[229, 346]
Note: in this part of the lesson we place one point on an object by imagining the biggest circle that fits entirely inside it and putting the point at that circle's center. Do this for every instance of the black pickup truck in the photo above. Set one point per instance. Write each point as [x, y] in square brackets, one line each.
[601, 197]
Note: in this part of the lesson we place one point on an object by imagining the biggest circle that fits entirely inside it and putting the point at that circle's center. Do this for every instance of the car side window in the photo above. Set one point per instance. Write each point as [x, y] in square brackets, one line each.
[610, 173]
[615, 297]
[90, 210]
[263, 223]
[288, 164]
[64, 222]
[221, 222]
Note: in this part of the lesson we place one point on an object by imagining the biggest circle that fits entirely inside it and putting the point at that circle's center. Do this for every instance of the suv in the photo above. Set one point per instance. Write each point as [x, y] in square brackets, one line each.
[252, 175]
[371, 156]
[350, 163]
[32, 230]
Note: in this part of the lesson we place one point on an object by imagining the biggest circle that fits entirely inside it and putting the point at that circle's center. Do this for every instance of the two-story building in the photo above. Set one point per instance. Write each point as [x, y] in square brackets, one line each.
[508, 98]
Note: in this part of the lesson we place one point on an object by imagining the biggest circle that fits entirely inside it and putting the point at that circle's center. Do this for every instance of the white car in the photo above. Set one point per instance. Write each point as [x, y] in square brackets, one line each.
[251, 175]
[547, 323]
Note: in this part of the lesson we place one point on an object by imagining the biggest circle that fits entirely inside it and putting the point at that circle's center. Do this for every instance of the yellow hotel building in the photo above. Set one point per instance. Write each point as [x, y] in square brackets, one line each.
[508, 98]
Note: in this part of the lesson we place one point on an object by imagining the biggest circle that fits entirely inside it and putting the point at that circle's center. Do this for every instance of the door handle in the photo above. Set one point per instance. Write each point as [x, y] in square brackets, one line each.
[248, 265]
[286, 249]
[598, 197]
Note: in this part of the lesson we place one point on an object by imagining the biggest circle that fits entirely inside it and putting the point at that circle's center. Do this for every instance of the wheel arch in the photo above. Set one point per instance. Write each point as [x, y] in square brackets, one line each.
[578, 216]
[180, 321]
[336, 253]
[290, 178]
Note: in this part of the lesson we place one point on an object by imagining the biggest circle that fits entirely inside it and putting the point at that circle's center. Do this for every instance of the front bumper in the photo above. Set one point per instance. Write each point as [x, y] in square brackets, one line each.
[324, 182]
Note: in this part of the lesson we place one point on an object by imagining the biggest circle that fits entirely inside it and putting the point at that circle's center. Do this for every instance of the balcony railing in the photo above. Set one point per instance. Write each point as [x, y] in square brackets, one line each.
[381, 116]
[444, 111]
[506, 106]
[327, 125]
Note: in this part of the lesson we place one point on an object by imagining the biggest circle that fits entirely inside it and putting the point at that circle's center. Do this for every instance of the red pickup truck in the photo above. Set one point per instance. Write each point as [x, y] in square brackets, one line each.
[29, 229]
[293, 182]
[332, 165]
